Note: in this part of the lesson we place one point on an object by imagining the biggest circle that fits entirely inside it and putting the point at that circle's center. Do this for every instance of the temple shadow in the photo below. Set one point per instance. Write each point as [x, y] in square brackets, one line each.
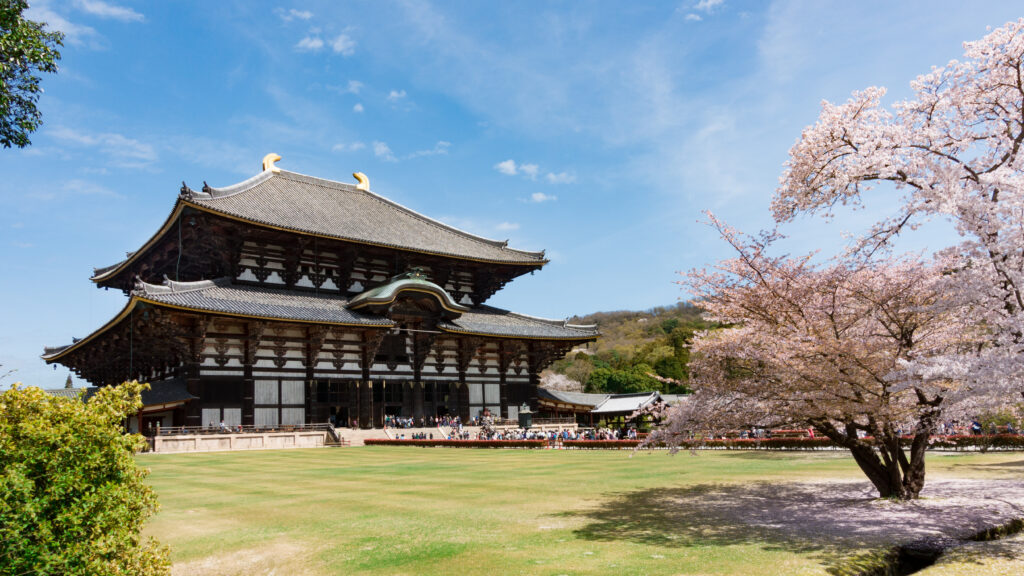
[841, 524]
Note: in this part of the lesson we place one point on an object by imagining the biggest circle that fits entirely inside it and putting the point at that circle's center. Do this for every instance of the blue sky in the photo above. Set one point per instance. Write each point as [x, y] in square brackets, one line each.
[598, 131]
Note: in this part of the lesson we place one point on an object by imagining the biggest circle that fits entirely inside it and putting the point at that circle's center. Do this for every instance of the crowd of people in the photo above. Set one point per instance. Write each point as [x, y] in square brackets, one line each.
[429, 422]
[975, 428]
[487, 433]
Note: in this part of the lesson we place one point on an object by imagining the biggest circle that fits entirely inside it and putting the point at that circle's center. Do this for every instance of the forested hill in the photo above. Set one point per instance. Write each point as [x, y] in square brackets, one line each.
[633, 345]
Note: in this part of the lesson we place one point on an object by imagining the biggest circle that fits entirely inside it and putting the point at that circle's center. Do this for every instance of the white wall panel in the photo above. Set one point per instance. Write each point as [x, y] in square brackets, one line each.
[265, 417]
[293, 416]
[293, 392]
[265, 392]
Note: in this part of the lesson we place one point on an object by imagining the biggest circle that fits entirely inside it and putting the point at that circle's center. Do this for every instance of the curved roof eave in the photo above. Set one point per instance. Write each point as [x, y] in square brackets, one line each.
[573, 338]
[108, 272]
[137, 299]
[388, 293]
[61, 352]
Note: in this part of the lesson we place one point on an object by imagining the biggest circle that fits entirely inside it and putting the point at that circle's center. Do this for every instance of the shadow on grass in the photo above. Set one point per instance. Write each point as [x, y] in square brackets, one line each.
[842, 525]
[1014, 465]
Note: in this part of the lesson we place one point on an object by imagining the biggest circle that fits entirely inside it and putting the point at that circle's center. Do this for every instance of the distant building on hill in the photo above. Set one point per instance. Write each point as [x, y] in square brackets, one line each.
[288, 299]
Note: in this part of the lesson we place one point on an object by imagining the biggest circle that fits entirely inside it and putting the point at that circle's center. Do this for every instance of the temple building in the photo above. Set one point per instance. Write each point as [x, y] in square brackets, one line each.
[288, 299]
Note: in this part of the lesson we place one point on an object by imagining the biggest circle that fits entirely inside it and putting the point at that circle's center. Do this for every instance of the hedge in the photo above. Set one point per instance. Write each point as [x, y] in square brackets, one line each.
[983, 443]
[459, 443]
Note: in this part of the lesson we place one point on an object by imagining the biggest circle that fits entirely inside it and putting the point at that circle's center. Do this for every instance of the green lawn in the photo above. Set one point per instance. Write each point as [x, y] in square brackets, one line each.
[384, 510]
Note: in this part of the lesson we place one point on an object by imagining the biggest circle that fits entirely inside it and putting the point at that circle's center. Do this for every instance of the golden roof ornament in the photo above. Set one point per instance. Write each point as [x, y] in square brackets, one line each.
[364, 182]
[268, 162]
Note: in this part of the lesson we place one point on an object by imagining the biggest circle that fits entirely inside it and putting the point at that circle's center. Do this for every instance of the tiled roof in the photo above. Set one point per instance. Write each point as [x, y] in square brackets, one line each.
[577, 398]
[488, 320]
[334, 209]
[673, 399]
[163, 392]
[72, 393]
[626, 402]
[223, 297]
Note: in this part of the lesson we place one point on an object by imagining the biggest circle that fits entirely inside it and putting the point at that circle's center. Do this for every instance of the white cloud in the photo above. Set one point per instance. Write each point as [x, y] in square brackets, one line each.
[561, 178]
[310, 44]
[538, 197]
[75, 187]
[112, 11]
[691, 17]
[293, 14]
[354, 86]
[396, 95]
[86, 188]
[74, 34]
[508, 226]
[383, 151]
[122, 151]
[344, 45]
[508, 167]
[350, 147]
[358, 108]
[708, 5]
[441, 148]
[529, 170]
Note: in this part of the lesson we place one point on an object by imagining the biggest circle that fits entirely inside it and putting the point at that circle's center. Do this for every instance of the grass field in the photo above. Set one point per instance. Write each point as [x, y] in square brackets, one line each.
[384, 510]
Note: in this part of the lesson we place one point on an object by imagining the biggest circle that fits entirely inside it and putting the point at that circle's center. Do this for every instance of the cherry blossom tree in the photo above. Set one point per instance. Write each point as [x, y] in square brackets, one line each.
[823, 345]
[954, 151]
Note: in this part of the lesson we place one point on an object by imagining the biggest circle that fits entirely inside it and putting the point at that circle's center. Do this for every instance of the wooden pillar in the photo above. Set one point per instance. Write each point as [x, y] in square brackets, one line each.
[417, 386]
[417, 399]
[452, 398]
[193, 410]
[365, 401]
[532, 392]
[503, 394]
[254, 331]
[463, 395]
[353, 402]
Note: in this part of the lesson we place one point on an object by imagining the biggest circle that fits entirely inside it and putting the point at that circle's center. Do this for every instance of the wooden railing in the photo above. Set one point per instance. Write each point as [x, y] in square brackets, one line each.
[217, 429]
[564, 421]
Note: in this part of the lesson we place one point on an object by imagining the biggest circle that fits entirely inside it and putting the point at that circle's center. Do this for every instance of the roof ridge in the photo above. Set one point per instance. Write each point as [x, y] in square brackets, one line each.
[143, 288]
[552, 321]
[211, 193]
[423, 217]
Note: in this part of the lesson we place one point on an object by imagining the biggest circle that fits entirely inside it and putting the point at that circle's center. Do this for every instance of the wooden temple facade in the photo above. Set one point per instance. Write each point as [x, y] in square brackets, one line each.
[297, 300]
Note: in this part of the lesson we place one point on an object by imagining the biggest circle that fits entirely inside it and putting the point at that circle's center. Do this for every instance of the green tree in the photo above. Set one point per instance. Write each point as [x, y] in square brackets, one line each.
[622, 381]
[25, 51]
[72, 499]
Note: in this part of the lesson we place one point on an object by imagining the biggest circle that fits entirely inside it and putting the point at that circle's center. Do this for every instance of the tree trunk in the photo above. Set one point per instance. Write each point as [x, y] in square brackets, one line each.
[885, 464]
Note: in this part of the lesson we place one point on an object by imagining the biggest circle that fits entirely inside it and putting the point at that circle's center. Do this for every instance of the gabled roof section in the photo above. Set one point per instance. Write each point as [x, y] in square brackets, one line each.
[302, 203]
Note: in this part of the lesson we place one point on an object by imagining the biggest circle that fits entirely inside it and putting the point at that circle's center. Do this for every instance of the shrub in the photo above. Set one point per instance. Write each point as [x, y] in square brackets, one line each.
[72, 499]
[459, 443]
